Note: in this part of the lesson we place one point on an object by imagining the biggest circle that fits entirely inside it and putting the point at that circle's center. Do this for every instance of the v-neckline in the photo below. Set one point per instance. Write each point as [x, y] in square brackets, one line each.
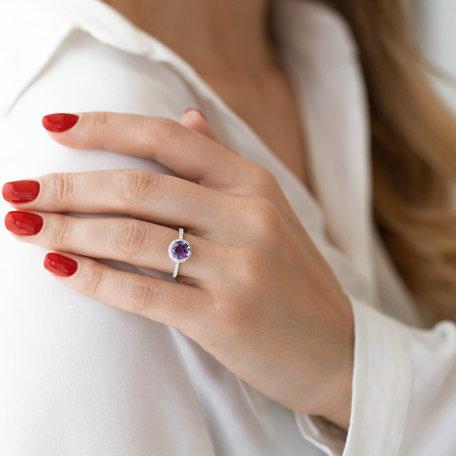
[147, 45]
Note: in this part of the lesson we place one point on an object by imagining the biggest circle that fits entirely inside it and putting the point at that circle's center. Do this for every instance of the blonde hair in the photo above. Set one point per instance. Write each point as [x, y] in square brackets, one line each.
[413, 148]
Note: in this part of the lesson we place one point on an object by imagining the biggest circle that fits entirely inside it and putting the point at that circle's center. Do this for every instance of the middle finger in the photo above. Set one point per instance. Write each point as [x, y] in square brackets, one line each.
[145, 195]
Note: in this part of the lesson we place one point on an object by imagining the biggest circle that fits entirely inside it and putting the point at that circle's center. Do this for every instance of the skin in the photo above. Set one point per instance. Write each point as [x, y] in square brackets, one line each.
[277, 316]
[202, 31]
[242, 67]
[256, 293]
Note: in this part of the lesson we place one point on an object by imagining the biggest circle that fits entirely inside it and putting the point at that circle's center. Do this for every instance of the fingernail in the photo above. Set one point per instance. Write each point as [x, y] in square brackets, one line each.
[26, 223]
[21, 191]
[60, 122]
[60, 265]
[196, 110]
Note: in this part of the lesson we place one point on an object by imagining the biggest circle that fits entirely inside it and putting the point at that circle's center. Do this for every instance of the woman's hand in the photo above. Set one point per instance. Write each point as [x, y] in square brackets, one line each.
[256, 293]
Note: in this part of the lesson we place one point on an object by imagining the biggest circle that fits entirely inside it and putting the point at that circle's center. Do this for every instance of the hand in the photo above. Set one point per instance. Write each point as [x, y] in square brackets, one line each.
[256, 293]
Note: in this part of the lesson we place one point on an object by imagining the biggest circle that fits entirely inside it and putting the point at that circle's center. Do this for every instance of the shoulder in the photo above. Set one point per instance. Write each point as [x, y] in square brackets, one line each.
[28, 37]
[78, 56]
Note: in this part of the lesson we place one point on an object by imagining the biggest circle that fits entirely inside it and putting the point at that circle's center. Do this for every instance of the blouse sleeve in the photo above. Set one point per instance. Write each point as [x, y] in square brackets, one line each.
[404, 391]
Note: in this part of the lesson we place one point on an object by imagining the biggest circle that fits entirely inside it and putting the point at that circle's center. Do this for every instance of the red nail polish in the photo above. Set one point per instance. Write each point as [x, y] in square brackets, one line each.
[19, 222]
[196, 110]
[21, 191]
[60, 122]
[60, 265]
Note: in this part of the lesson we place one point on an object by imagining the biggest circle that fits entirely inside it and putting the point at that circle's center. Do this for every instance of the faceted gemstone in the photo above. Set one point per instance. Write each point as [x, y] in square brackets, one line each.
[180, 250]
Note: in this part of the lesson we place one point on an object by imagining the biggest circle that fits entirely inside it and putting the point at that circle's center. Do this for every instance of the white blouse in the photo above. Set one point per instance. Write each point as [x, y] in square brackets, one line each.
[79, 377]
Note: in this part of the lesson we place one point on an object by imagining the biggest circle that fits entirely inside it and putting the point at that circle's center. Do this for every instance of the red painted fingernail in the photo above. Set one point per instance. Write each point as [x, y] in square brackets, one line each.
[60, 265]
[19, 222]
[196, 110]
[60, 122]
[21, 191]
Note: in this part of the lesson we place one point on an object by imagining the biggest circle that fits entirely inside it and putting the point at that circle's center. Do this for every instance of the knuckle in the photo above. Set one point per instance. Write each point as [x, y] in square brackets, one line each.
[262, 217]
[166, 130]
[100, 123]
[128, 238]
[167, 126]
[62, 231]
[134, 186]
[265, 211]
[263, 174]
[141, 296]
[62, 187]
[263, 180]
[96, 280]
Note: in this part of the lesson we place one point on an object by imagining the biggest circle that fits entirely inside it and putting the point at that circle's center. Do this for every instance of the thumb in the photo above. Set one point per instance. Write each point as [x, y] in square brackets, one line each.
[194, 119]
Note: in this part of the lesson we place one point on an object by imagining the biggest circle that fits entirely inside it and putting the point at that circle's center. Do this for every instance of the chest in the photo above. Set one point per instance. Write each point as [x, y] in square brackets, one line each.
[268, 106]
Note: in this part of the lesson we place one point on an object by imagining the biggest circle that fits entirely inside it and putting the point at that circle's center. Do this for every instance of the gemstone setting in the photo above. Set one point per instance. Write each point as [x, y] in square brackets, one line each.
[179, 250]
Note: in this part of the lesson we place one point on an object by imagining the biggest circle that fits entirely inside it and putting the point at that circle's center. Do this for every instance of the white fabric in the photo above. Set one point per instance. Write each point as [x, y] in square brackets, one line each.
[79, 377]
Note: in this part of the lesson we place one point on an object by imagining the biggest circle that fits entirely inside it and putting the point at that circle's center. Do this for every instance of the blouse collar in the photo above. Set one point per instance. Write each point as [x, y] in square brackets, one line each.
[320, 57]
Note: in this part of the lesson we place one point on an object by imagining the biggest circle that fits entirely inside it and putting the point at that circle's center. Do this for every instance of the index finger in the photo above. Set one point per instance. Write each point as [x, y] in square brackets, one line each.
[188, 153]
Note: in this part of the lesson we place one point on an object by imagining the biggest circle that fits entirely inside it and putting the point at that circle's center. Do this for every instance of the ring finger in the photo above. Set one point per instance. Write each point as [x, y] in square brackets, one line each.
[137, 242]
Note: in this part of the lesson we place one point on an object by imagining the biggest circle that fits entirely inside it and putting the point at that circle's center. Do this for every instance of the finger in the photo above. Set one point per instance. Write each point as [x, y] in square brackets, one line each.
[131, 241]
[156, 197]
[145, 195]
[175, 304]
[265, 184]
[195, 120]
[186, 152]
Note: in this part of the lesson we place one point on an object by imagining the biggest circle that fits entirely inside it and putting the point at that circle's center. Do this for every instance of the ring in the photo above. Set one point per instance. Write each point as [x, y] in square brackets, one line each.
[179, 251]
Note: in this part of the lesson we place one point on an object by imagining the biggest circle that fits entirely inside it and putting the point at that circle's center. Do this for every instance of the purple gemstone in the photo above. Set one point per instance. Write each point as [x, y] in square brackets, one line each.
[179, 250]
